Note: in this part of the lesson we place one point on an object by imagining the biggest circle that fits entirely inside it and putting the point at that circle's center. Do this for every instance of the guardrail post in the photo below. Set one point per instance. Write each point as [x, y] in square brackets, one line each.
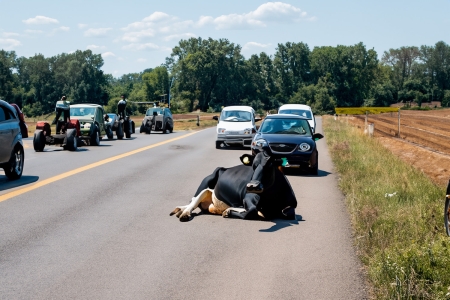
[198, 120]
[399, 123]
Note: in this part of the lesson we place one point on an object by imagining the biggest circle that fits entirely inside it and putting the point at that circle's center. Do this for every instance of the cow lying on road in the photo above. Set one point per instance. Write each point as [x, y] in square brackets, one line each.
[255, 190]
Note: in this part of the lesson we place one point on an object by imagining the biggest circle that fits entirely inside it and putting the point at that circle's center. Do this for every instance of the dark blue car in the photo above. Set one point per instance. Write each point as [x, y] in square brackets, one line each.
[289, 139]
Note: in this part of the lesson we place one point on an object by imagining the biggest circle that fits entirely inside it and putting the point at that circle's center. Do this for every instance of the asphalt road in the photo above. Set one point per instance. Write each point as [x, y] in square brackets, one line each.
[94, 224]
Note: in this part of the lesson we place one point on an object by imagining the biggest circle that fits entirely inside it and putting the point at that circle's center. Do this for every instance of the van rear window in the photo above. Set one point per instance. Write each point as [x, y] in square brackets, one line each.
[298, 112]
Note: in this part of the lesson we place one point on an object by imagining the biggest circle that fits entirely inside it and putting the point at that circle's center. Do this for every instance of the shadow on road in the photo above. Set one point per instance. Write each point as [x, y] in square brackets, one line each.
[6, 184]
[280, 224]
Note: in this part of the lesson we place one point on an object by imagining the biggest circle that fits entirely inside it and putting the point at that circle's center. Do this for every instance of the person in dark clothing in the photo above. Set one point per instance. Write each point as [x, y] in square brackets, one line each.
[121, 107]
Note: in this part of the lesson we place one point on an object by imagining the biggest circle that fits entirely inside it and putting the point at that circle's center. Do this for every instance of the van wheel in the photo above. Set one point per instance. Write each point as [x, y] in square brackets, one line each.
[39, 141]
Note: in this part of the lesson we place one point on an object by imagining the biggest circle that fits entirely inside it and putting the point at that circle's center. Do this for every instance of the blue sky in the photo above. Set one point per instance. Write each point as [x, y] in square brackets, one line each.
[133, 35]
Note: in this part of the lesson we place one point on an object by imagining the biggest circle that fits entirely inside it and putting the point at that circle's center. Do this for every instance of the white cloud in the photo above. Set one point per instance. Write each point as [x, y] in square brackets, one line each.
[97, 32]
[270, 12]
[38, 20]
[30, 31]
[81, 25]
[94, 47]
[9, 34]
[64, 28]
[108, 54]
[141, 47]
[9, 44]
[252, 45]
[179, 36]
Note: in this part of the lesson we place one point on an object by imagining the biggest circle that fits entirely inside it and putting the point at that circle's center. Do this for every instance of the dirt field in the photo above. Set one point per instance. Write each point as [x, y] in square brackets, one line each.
[424, 140]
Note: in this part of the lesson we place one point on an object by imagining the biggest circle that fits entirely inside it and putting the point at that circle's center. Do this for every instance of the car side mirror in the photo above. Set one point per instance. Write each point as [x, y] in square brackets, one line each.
[317, 136]
[216, 118]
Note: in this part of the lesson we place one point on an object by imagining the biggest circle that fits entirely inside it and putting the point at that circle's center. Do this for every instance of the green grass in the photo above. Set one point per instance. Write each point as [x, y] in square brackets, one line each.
[400, 239]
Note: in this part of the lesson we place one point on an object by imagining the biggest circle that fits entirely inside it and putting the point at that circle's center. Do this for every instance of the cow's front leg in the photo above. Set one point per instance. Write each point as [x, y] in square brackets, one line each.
[249, 211]
[184, 212]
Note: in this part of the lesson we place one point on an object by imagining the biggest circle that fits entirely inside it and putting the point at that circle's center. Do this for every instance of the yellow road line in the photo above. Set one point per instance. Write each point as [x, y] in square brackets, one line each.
[85, 168]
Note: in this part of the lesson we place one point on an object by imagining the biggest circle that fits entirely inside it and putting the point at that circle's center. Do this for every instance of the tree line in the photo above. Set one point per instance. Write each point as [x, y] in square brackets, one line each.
[208, 74]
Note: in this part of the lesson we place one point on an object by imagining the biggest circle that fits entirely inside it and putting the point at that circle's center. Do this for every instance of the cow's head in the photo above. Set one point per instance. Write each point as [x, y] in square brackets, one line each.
[264, 167]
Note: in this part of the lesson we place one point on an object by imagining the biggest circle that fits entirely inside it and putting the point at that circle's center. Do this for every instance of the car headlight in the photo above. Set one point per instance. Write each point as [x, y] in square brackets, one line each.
[87, 125]
[259, 143]
[304, 147]
[221, 130]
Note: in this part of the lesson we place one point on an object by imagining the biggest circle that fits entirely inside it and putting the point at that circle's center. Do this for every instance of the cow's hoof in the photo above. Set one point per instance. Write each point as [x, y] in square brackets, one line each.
[175, 211]
[255, 187]
[226, 213]
[289, 213]
[185, 218]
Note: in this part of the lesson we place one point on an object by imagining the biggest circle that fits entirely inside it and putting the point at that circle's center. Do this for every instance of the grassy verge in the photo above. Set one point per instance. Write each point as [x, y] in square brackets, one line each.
[400, 239]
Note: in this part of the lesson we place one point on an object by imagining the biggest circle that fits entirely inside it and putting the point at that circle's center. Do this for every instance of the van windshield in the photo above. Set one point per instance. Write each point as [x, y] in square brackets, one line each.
[235, 116]
[299, 112]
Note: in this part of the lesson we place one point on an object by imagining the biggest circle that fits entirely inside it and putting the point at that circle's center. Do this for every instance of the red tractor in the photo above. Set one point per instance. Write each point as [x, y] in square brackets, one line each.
[67, 130]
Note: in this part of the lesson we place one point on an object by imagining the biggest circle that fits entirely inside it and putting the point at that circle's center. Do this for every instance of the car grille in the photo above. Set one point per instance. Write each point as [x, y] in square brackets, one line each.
[282, 148]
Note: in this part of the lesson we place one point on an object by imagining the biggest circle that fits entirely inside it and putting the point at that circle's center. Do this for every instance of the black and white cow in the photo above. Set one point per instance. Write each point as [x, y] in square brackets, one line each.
[257, 189]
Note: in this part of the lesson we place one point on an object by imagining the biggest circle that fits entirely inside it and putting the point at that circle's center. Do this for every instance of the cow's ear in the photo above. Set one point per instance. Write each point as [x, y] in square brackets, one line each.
[247, 159]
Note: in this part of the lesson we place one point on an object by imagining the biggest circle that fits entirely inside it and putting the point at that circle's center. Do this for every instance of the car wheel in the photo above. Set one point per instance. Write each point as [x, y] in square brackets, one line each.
[71, 140]
[95, 137]
[23, 130]
[133, 127]
[165, 129]
[39, 141]
[171, 129]
[119, 131]
[142, 129]
[14, 167]
[315, 169]
[219, 145]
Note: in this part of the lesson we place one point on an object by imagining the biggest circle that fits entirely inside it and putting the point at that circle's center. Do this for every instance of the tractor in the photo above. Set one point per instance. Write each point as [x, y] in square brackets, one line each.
[67, 130]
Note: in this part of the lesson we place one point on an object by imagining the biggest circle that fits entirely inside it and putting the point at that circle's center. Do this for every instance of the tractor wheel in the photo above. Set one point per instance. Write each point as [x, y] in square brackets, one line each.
[71, 140]
[39, 141]
[171, 129]
[14, 168]
[133, 127]
[128, 129]
[109, 133]
[166, 128]
[95, 136]
[119, 131]
[142, 129]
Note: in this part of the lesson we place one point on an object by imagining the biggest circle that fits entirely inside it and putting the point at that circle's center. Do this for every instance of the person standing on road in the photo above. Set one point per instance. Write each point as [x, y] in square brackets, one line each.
[121, 107]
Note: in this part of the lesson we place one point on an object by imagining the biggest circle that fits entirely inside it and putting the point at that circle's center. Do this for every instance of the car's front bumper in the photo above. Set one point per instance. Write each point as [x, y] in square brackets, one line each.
[296, 159]
[241, 139]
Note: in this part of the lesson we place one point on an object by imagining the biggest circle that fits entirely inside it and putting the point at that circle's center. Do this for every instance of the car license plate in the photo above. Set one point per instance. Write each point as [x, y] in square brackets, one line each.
[233, 132]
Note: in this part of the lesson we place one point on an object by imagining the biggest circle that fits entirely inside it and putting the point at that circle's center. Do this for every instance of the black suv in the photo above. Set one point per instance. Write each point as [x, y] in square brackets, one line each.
[157, 119]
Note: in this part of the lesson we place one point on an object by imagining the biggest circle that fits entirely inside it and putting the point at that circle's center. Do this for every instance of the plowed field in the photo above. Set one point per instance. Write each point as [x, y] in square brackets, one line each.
[424, 139]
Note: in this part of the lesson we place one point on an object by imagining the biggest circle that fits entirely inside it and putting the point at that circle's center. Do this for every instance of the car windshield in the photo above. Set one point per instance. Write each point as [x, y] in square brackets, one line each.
[82, 112]
[235, 116]
[299, 112]
[285, 126]
[151, 110]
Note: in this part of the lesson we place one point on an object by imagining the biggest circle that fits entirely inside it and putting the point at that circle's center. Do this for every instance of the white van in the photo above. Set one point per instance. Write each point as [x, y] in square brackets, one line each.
[236, 126]
[300, 110]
